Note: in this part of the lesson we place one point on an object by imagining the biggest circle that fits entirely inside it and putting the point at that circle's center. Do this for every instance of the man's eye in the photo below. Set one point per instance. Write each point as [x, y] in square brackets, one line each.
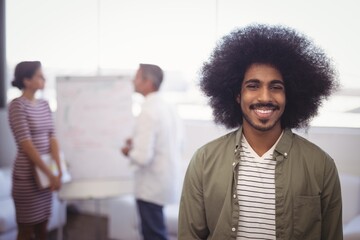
[277, 87]
[252, 86]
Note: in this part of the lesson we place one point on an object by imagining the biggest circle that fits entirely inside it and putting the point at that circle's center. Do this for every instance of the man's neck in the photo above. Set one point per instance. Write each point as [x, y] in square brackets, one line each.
[146, 93]
[261, 141]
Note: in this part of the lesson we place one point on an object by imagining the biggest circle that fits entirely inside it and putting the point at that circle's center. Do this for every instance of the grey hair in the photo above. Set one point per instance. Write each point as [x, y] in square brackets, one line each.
[152, 72]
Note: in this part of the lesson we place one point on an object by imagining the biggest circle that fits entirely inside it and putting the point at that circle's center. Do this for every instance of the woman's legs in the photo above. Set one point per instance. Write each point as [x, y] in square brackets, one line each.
[32, 231]
[25, 232]
[41, 230]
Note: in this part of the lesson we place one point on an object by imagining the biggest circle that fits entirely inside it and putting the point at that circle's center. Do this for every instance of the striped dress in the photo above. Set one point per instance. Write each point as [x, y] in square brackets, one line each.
[30, 121]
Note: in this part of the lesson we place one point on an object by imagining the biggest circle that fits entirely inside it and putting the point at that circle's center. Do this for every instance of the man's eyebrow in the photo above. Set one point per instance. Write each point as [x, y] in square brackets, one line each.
[275, 81]
[252, 81]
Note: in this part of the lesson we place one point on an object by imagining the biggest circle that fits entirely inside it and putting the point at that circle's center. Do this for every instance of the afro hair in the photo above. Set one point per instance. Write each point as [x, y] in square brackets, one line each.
[309, 75]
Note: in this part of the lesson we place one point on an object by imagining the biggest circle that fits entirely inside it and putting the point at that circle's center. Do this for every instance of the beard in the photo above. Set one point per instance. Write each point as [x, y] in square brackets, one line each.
[260, 127]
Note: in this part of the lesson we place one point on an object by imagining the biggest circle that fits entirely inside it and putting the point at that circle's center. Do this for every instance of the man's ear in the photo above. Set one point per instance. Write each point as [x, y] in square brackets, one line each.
[149, 83]
[238, 98]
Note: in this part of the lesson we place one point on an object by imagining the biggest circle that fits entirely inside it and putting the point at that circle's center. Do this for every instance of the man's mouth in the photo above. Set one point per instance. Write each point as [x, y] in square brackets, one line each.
[264, 110]
[264, 106]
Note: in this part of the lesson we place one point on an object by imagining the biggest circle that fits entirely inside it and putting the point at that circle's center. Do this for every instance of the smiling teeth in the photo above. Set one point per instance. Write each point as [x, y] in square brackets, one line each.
[263, 111]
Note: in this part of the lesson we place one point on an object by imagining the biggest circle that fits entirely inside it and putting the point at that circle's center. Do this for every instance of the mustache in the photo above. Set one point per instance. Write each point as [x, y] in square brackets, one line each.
[264, 105]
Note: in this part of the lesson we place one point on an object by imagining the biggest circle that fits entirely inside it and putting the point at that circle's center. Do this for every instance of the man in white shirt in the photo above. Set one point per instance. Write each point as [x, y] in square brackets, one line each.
[155, 150]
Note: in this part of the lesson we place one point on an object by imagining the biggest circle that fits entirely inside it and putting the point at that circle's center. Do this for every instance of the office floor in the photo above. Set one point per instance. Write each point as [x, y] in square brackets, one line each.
[83, 227]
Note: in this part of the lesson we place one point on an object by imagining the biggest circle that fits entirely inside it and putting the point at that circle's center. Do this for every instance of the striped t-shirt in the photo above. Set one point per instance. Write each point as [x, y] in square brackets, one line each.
[256, 193]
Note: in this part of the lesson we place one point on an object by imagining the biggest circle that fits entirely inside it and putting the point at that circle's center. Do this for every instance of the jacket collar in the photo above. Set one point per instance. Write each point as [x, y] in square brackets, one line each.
[238, 137]
[283, 146]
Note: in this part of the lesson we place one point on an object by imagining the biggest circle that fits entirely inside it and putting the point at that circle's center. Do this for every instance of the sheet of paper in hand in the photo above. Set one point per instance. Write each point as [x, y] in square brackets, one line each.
[43, 180]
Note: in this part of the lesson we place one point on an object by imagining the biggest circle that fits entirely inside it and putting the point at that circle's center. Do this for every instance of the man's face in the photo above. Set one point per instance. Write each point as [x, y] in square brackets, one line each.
[138, 82]
[262, 98]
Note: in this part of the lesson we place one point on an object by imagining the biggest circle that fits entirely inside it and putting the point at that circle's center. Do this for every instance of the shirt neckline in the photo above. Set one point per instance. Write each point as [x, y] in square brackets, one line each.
[29, 102]
[267, 154]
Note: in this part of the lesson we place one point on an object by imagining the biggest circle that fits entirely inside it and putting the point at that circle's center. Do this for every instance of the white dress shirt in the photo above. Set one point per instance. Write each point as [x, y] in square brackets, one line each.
[156, 152]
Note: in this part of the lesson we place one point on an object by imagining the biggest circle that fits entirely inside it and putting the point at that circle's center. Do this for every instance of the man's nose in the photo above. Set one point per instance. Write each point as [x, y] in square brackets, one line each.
[264, 95]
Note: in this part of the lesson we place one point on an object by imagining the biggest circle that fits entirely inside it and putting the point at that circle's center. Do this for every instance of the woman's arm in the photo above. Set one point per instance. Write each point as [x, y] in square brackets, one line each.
[28, 148]
[20, 127]
[55, 154]
[54, 146]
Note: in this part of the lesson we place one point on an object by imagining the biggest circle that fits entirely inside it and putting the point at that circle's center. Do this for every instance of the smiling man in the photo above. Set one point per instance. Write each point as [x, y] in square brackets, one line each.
[262, 181]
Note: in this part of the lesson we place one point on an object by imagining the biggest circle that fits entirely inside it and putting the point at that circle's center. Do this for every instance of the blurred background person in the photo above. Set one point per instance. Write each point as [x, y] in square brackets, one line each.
[155, 149]
[32, 126]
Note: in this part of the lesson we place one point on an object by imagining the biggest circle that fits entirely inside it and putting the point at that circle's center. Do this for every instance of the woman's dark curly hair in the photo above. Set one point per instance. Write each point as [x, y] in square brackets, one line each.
[308, 74]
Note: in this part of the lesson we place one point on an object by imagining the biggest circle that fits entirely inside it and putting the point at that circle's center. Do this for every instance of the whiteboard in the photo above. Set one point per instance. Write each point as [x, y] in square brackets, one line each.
[93, 120]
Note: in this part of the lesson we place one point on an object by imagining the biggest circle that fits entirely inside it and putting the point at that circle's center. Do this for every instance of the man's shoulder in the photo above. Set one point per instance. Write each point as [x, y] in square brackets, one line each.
[309, 148]
[305, 143]
[213, 154]
[220, 143]
[154, 102]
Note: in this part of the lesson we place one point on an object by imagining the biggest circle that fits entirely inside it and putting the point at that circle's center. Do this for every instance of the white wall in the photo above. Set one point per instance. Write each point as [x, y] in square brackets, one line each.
[342, 144]
[7, 142]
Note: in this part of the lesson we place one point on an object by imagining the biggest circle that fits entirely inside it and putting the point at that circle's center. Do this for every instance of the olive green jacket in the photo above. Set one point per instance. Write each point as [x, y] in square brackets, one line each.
[307, 189]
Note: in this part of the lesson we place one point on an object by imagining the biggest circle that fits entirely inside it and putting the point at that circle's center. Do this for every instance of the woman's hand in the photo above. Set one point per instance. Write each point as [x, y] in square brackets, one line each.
[55, 182]
[60, 175]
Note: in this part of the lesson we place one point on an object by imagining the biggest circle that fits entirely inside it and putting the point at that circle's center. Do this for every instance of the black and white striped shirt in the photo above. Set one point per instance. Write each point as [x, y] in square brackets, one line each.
[256, 193]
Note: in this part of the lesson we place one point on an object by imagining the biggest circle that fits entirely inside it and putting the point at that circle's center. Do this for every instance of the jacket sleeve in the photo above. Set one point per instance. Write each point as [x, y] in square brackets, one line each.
[331, 204]
[192, 217]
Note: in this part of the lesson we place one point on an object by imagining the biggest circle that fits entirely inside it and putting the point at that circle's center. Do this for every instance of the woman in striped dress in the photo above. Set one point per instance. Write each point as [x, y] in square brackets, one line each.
[32, 126]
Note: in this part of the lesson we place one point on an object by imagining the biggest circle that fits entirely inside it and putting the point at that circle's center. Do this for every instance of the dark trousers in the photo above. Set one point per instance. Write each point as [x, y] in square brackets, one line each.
[152, 221]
